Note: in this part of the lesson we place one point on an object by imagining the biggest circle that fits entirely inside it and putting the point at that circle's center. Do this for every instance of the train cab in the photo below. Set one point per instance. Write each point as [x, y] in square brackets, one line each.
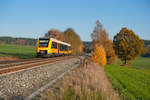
[52, 47]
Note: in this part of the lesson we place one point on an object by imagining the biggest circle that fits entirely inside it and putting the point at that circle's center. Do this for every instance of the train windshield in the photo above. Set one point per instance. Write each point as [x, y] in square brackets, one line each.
[43, 42]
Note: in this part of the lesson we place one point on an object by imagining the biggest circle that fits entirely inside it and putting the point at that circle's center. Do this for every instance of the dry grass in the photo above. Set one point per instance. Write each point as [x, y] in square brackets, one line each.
[87, 82]
[5, 58]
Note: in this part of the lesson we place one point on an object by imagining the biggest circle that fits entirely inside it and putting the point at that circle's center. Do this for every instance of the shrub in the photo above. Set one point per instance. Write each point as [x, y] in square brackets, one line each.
[99, 55]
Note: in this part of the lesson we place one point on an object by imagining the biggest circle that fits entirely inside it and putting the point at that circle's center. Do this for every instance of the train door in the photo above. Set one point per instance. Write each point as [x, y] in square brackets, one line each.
[58, 47]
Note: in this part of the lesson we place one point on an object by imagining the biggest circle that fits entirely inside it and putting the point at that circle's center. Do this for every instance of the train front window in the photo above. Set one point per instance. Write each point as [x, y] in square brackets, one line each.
[43, 42]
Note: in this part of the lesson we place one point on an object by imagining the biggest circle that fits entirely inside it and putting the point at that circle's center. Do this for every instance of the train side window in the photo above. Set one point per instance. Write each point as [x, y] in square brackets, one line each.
[60, 47]
[69, 48]
[63, 47]
[54, 45]
[66, 48]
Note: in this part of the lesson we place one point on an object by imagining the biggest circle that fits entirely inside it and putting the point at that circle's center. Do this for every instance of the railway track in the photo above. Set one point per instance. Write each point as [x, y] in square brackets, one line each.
[18, 66]
[21, 62]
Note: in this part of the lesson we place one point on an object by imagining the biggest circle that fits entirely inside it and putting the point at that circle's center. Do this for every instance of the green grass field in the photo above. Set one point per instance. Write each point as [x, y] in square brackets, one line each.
[19, 51]
[141, 62]
[132, 82]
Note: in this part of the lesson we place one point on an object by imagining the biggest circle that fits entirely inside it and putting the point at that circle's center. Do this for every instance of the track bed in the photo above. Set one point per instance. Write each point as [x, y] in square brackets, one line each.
[24, 82]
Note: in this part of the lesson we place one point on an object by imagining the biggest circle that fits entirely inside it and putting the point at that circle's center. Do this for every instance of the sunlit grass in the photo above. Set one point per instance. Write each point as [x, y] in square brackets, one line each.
[141, 62]
[132, 82]
[17, 51]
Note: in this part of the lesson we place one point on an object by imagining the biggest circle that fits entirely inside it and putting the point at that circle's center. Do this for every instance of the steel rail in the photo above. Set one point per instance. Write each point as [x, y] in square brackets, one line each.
[15, 68]
[25, 62]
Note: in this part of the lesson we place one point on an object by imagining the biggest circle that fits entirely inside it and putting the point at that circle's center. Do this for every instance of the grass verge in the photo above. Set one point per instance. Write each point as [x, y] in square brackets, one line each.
[80, 84]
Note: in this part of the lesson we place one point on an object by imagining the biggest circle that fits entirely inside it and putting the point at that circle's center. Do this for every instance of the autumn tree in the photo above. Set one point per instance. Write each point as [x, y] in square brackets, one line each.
[99, 55]
[128, 45]
[100, 36]
[71, 37]
[54, 33]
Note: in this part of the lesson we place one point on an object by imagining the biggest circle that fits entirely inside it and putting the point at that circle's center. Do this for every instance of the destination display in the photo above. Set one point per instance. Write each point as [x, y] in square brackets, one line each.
[43, 41]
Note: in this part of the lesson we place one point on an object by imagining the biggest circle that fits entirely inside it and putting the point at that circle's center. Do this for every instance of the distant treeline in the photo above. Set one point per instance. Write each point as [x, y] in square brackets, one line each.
[87, 45]
[147, 42]
[147, 46]
[28, 41]
[18, 41]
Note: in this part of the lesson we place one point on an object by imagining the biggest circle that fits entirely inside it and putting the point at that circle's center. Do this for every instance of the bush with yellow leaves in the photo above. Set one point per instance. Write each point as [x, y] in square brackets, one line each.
[99, 55]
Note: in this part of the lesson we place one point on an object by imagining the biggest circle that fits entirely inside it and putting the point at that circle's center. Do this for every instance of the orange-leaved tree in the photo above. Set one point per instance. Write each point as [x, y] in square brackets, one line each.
[128, 45]
[99, 55]
[54, 33]
[100, 36]
[70, 36]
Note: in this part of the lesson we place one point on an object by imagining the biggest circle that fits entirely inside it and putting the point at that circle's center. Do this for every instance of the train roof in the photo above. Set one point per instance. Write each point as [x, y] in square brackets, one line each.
[58, 41]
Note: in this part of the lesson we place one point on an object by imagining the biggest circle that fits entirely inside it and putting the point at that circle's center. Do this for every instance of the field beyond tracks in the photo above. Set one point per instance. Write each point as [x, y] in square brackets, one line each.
[22, 52]
[132, 83]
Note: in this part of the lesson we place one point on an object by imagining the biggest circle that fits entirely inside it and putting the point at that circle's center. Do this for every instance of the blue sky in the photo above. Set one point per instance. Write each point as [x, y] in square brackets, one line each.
[33, 18]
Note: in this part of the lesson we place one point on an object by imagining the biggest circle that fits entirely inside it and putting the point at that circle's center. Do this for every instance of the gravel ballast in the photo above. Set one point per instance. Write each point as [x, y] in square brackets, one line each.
[18, 85]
